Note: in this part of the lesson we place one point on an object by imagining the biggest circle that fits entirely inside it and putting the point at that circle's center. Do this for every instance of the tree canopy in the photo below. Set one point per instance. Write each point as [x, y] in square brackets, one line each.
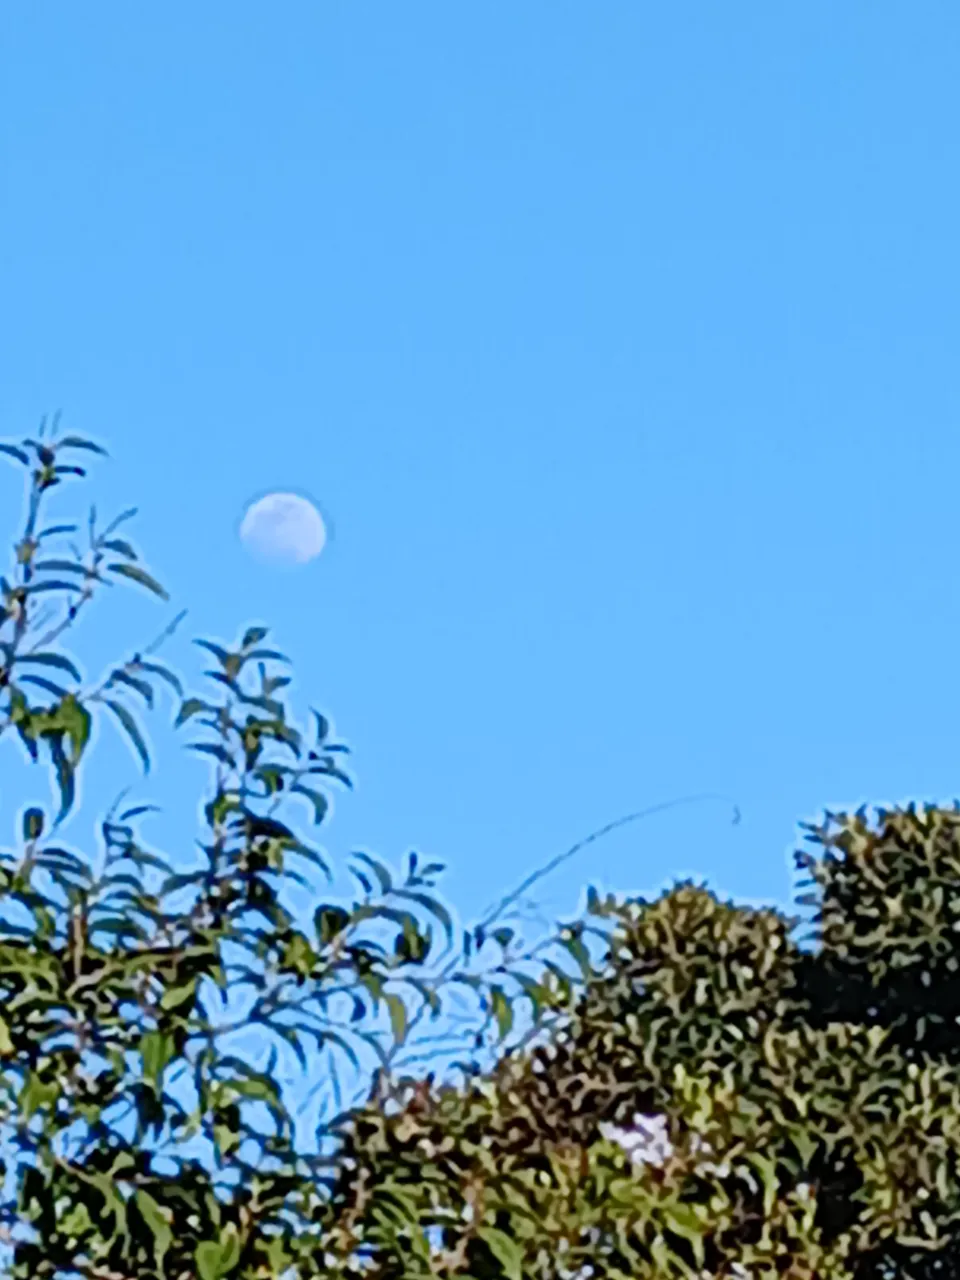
[720, 1099]
[709, 1095]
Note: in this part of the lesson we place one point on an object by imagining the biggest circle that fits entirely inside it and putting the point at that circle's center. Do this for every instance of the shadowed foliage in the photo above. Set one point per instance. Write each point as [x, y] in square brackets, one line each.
[719, 1100]
[712, 1095]
[140, 1139]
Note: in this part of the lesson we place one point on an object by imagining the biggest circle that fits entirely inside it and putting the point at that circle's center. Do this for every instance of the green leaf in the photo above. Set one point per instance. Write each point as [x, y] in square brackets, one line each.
[157, 1222]
[176, 996]
[48, 686]
[64, 774]
[316, 798]
[12, 451]
[217, 1258]
[502, 1010]
[52, 584]
[136, 574]
[33, 824]
[156, 1050]
[217, 650]
[378, 869]
[120, 546]
[505, 1249]
[252, 636]
[60, 566]
[119, 520]
[398, 1016]
[75, 442]
[190, 708]
[133, 732]
[50, 660]
[133, 682]
[155, 669]
[436, 909]
[74, 719]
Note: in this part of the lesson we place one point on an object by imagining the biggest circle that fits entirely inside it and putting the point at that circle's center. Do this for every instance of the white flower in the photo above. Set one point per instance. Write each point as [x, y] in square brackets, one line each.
[647, 1142]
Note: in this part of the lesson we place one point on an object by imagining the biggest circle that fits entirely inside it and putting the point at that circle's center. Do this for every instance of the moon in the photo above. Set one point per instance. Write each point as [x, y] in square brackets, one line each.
[284, 529]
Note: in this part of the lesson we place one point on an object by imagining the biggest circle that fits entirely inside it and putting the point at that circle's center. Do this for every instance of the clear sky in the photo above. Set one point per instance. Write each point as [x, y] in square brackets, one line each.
[617, 342]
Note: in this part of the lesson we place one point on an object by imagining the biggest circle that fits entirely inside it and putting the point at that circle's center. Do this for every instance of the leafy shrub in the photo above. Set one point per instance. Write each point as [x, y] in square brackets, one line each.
[718, 1100]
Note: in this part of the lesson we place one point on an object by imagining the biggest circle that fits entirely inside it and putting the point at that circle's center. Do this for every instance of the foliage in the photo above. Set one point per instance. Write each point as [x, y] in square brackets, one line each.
[719, 1099]
[139, 1141]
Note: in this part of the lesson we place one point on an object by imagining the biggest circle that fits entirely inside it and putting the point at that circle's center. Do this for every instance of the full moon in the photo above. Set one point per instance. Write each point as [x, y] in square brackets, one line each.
[283, 528]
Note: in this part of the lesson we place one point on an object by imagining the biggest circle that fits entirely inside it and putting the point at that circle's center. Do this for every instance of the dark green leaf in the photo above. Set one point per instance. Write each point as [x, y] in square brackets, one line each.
[217, 650]
[505, 1249]
[156, 669]
[50, 660]
[316, 798]
[75, 442]
[378, 869]
[253, 635]
[33, 824]
[136, 574]
[123, 516]
[12, 451]
[52, 584]
[133, 682]
[61, 566]
[190, 708]
[42, 683]
[120, 546]
[63, 770]
[133, 732]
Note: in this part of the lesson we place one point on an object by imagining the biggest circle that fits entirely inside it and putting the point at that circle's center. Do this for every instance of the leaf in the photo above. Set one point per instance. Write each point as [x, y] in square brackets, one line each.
[316, 798]
[119, 520]
[60, 566]
[505, 1249]
[56, 528]
[50, 660]
[133, 682]
[217, 1258]
[64, 775]
[502, 1009]
[252, 636]
[156, 669]
[76, 442]
[137, 810]
[217, 650]
[157, 1222]
[190, 708]
[436, 909]
[133, 732]
[398, 1016]
[136, 574]
[52, 584]
[214, 749]
[12, 451]
[156, 1050]
[57, 690]
[271, 654]
[33, 824]
[120, 546]
[380, 871]
[74, 719]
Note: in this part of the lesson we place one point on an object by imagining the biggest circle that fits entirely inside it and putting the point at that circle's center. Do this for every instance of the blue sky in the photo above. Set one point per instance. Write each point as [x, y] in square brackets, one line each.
[619, 345]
